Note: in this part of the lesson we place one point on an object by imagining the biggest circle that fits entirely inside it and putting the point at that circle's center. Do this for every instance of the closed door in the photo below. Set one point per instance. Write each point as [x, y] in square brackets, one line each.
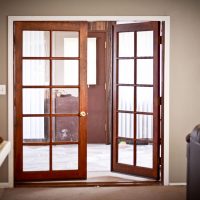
[97, 94]
[136, 99]
[50, 100]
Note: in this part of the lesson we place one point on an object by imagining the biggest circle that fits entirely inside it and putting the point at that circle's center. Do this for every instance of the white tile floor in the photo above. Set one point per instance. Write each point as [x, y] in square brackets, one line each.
[65, 157]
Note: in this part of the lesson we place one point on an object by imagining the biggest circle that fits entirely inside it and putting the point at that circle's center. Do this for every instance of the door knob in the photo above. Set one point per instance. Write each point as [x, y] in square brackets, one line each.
[82, 113]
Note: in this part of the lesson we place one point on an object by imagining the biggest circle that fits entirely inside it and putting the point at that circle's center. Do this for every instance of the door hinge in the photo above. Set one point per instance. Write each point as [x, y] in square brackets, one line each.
[160, 161]
[105, 45]
[105, 86]
[160, 141]
[160, 38]
[160, 99]
[105, 127]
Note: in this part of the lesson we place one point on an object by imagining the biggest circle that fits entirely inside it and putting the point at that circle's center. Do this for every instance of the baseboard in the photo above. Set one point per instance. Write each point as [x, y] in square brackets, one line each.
[4, 185]
[1, 192]
[173, 184]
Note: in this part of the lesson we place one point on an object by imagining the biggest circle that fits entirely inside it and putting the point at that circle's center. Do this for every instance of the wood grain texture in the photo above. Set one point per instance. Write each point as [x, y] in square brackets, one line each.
[134, 169]
[20, 175]
[106, 28]
[97, 95]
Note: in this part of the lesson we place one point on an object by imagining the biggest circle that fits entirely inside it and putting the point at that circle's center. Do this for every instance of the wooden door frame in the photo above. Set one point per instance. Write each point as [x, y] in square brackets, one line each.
[133, 168]
[11, 19]
[81, 172]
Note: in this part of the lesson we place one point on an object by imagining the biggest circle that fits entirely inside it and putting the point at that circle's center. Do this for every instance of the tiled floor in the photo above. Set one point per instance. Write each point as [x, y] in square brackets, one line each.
[65, 157]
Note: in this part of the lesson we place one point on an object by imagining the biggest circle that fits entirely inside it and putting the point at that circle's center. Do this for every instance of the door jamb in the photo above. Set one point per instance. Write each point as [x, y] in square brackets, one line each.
[11, 19]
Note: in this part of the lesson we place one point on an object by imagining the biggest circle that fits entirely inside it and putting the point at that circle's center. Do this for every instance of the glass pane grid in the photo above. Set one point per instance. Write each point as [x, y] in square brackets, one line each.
[126, 98]
[125, 149]
[143, 85]
[126, 44]
[36, 43]
[125, 135]
[65, 44]
[36, 129]
[125, 66]
[65, 129]
[62, 71]
[35, 100]
[36, 158]
[36, 72]
[144, 43]
[144, 141]
[65, 100]
[37, 85]
[145, 71]
[145, 99]
[65, 157]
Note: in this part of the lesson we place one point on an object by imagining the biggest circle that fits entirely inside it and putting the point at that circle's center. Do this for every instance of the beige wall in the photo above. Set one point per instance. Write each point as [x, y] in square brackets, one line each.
[184, 52]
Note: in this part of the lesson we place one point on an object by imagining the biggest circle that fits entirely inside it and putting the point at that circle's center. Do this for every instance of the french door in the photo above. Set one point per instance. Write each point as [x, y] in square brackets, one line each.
[136, 99]
[50, 100]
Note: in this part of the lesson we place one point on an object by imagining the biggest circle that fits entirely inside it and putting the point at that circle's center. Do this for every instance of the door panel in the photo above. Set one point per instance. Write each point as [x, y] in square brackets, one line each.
[50, 93]
[136, 106]
[97, 94]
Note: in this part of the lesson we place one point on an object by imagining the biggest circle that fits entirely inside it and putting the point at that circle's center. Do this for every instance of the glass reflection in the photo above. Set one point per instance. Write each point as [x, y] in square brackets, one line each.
[65, 44]
[36, 43]
[65, 129]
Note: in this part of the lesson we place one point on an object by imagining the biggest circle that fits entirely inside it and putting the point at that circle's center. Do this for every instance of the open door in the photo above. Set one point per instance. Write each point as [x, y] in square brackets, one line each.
[136, 99]
[50, 100]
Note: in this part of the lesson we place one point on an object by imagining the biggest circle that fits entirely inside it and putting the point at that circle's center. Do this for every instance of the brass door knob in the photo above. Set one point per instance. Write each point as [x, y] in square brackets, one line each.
[82, 113]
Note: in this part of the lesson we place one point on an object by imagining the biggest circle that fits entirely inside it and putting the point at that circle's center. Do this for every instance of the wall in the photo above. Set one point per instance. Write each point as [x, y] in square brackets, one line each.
[184, 69]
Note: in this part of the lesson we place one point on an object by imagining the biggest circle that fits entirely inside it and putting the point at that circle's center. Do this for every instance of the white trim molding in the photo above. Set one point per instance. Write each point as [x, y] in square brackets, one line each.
[5, 185]
[4, 151]
[12, 19]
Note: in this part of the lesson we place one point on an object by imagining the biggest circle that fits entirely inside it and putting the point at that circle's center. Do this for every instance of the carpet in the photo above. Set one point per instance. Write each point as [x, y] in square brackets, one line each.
[97, 193]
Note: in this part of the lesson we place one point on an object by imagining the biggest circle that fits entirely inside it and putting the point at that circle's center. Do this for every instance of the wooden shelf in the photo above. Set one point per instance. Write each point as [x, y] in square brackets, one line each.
[5, 147]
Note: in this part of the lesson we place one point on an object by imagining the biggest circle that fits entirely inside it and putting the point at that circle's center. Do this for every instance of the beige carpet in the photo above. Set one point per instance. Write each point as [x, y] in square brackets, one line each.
[97, 193]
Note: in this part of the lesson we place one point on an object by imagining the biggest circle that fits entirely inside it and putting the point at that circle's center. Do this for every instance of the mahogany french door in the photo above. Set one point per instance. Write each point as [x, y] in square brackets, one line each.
[50, 100]
[136, 99]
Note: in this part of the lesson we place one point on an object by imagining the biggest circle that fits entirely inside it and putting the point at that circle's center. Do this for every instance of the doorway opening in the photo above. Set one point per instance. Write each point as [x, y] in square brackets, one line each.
[105, 128]
[140, 140]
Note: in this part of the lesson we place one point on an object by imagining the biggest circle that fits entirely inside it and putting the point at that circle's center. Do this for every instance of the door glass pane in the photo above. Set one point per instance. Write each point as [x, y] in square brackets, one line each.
[65, 72]
[65, 44]
[35, 72]
[125, 125]
[145, 43]
[36, 129]
[145, 71]
[65, 100]
[125, 151]
[65, 157]
[36, 43]
[65, 128]
[144, 141]
[126, 44]
[126, 98]
[145, 99]
[35, 101]
[126, 71]
[35, 158]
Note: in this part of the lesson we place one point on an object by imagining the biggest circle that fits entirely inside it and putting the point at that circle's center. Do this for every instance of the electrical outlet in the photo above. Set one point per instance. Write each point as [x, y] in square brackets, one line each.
[2, 89]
